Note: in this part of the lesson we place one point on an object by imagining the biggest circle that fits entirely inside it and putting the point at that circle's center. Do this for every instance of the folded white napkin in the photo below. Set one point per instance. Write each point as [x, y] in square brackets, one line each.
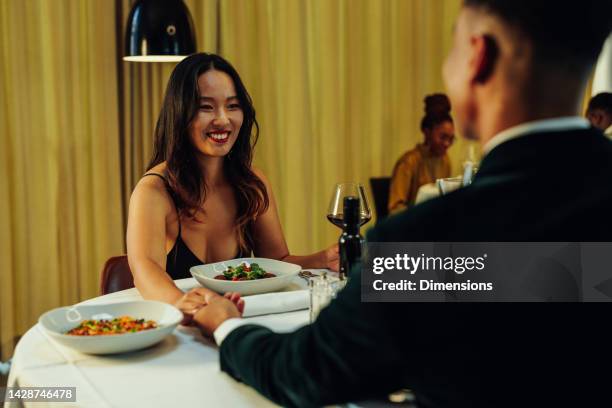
[278, 302]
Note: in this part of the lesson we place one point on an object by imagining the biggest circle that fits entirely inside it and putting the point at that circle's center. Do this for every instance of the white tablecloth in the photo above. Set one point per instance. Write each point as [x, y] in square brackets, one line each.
[181, 371]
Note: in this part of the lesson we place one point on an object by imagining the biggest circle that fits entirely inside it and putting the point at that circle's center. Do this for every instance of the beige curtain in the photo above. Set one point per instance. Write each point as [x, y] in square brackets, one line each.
[60, 206]
[337, 84]
[338, 87]
[588, 94]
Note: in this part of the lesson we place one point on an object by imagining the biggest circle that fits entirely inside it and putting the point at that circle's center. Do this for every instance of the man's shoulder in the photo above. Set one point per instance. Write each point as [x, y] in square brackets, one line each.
[424, 222]
[561, 141]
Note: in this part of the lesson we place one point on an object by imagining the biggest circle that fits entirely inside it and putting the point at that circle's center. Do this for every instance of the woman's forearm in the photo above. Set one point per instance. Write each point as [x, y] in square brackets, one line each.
[315, 261]
[153, 282]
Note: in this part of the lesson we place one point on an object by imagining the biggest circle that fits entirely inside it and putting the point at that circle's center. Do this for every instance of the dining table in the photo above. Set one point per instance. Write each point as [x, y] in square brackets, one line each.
[180, 371]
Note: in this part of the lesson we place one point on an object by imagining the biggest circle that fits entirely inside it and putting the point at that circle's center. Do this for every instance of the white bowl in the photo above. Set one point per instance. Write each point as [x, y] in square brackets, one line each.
[58, 321]
[285, 272]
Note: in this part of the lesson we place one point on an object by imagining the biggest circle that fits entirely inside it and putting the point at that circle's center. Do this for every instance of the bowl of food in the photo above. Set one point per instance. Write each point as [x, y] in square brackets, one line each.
[111, 328]
[248, 276]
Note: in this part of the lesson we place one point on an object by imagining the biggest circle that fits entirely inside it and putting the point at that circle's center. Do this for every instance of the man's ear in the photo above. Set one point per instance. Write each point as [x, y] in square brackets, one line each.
[486, 57]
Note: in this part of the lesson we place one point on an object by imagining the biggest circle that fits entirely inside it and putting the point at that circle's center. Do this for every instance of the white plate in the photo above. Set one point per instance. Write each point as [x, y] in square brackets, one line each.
[58, 321]
[285, 272]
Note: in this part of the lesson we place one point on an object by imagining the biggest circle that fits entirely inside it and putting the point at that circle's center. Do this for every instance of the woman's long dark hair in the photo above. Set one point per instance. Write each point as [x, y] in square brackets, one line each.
[173, 145]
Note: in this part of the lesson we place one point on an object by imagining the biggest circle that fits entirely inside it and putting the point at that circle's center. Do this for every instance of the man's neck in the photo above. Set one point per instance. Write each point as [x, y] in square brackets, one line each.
[500, 119]
[502, 105]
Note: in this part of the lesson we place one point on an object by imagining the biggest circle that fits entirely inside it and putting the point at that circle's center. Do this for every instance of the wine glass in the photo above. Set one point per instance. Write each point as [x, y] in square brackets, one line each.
[446, 185]
[336, 205]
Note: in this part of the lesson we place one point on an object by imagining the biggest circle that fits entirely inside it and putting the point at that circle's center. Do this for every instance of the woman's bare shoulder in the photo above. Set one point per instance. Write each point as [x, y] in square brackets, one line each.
[152, 190]
[158, 169]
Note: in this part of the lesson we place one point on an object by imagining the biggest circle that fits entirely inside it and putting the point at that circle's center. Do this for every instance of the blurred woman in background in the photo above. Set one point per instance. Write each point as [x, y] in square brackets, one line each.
[201, 201]
[428, 161]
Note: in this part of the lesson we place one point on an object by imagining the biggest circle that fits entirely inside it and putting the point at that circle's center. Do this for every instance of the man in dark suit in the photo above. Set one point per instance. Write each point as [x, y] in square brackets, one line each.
[515, 76]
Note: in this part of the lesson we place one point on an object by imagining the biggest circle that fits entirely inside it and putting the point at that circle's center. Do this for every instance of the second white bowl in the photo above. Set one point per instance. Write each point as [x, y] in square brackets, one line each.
[284, 271]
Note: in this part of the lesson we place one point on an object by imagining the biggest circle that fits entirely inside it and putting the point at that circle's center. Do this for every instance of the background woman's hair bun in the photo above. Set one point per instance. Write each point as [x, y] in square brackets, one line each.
[437, 105]
[437, 110]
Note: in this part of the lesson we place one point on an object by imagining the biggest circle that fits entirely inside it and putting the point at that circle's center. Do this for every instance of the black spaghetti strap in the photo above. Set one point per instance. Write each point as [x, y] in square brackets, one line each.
[158, 175]
[180, 258]
[178, 216]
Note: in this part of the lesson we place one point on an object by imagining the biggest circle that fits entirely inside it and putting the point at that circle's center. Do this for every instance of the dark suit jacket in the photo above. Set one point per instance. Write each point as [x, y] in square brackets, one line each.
[553, 186]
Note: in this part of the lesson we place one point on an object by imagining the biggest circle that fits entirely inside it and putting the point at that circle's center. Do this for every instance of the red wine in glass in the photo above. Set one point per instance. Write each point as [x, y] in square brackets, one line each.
[338, 219]
[335, 210]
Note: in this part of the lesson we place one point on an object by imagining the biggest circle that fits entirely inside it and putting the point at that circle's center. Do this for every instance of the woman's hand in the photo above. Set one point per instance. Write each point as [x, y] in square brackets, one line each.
[236, 300]
[197, 298]
[218, 309]
[332, 258]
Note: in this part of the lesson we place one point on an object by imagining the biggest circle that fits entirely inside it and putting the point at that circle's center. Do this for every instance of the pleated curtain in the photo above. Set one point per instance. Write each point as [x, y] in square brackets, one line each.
[338, 86]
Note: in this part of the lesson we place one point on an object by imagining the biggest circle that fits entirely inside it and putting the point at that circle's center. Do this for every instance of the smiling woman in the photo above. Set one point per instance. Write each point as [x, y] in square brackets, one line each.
[207, 114]
[76, 124]
[204, 202]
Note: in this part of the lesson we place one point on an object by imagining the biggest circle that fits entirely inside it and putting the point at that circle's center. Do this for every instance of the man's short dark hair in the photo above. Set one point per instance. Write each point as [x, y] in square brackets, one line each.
[601, 101]
[565, 33]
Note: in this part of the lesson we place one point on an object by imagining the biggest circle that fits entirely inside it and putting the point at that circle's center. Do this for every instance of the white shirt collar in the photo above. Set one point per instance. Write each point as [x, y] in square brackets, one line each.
[545, 125]
[608, 132]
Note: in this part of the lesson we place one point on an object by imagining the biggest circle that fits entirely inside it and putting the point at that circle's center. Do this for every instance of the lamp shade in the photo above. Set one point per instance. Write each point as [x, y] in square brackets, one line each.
[159, 30]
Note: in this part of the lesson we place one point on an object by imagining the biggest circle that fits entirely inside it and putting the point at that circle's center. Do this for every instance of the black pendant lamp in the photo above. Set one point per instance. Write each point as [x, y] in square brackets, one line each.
[159, 31]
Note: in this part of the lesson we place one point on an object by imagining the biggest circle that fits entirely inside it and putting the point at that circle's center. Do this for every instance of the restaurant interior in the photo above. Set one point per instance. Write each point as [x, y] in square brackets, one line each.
[338, 87]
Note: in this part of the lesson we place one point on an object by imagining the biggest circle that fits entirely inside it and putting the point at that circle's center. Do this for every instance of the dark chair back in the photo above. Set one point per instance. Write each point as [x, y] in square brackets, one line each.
[116, 275]
[380, 189]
